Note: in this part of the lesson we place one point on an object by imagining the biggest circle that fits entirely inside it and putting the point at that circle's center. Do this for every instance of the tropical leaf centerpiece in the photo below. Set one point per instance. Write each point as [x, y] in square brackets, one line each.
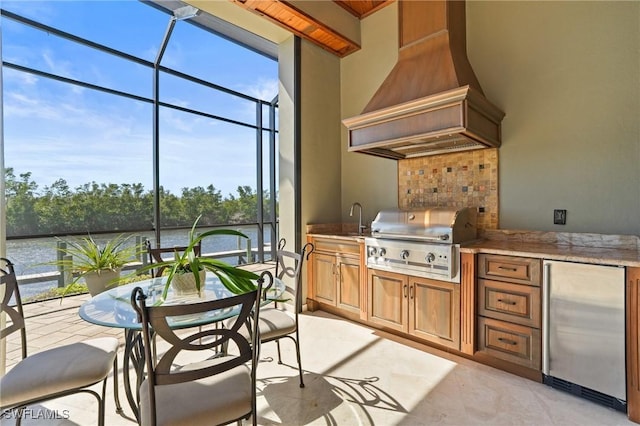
[236, 280]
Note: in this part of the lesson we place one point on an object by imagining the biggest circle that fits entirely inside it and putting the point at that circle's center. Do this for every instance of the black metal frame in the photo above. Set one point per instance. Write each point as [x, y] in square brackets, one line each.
[292, 271]
[161, 372]
[155, 101]
[16, 314]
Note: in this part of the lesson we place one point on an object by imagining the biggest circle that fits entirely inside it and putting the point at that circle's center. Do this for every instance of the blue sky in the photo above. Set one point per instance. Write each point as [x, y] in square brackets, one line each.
[56, 130]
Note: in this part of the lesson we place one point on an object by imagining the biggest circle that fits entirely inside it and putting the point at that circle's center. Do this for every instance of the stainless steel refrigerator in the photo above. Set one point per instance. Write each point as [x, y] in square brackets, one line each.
[583, 347]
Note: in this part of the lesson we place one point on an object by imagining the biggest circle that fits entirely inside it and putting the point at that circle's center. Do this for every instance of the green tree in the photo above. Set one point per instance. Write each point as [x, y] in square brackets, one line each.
[22, 218]
[203, 203]
[171, 210]
[244, 208]
[94, 207]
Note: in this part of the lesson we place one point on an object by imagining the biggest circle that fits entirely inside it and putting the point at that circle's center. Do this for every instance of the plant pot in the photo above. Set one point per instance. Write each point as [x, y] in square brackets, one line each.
[184, 284]
[99, 281]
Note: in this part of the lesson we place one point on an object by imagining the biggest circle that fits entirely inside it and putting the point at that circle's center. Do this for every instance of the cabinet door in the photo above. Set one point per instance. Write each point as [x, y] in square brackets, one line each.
[434, 311]
[388, 299]
[349, 284]
[324, 278]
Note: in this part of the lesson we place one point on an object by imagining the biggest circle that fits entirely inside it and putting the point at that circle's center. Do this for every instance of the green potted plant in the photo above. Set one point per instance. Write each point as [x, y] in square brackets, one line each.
[189, 267]
[98, 265]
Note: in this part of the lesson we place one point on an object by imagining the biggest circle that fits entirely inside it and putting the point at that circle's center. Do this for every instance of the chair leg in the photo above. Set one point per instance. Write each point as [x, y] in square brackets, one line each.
[299, 362]
[101, 403]
[279, 356]
[20, 411]
[116, 395]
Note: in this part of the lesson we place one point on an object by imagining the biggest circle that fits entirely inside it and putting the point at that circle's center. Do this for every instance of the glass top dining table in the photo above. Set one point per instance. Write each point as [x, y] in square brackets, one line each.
[112, 308]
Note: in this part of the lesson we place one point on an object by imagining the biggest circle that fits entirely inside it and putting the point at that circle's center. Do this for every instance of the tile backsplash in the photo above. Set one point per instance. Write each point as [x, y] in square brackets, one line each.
[463, 179]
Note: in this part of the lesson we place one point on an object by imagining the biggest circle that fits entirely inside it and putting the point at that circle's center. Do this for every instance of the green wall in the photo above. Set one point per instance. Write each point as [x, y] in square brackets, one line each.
[567, 75]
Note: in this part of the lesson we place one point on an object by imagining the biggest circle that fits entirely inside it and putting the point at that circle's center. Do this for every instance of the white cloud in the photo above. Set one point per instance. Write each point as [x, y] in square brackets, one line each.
[264, 88]
[59, 67]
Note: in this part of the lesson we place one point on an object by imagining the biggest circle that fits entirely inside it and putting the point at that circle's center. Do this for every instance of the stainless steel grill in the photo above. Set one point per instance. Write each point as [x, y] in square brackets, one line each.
[424, 243]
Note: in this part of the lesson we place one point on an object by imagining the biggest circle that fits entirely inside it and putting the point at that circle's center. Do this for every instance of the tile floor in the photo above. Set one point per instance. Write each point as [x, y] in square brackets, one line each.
[354, 375]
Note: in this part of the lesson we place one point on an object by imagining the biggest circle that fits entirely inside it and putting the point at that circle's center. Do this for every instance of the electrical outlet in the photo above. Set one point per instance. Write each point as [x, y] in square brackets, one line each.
[559, 217]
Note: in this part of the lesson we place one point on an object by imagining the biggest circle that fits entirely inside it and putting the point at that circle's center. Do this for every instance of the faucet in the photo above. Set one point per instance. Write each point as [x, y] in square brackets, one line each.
[361, 227]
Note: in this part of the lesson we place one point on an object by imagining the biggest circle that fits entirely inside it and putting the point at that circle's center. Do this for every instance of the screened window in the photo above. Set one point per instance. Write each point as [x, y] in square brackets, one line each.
[83, 151]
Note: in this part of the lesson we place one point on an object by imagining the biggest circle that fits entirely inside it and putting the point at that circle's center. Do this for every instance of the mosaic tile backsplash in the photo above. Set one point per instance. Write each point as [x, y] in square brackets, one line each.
[463, 179]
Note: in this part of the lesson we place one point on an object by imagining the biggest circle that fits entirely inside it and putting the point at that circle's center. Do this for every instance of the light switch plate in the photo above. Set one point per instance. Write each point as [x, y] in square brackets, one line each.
[559, 217]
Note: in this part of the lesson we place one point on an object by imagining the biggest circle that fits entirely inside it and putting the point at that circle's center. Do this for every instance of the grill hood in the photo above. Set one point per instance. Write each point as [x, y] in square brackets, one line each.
[431, 102]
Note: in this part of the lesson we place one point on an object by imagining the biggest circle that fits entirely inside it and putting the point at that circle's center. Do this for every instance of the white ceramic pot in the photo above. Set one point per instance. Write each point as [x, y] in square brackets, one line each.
[99, 281]
[184, 284]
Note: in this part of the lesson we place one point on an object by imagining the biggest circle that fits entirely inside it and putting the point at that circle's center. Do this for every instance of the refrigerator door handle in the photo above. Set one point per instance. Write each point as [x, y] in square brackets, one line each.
[546, 287]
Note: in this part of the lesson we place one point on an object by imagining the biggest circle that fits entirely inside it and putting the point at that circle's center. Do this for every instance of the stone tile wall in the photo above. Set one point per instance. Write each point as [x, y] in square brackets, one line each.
[464, 179]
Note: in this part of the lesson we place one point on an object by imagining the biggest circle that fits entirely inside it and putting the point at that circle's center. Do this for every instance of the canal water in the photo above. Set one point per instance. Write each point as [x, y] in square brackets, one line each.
[30, 256]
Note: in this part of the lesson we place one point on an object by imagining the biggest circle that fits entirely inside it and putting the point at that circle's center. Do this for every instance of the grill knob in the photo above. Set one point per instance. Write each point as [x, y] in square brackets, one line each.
[430, 257]
[383, 252]
[404, 254]
[372, 251]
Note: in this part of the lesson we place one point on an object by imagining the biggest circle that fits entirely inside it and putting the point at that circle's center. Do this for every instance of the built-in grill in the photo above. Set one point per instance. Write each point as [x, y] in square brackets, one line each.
[424, 243]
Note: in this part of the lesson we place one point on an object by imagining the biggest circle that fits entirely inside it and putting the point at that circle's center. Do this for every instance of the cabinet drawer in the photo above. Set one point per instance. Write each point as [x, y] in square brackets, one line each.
[336, 245]
[521, 270]
[509, 302]
[510, 342]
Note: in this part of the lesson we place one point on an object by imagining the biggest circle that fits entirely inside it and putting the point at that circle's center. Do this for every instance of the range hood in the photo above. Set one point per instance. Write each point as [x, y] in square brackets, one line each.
[431, 102]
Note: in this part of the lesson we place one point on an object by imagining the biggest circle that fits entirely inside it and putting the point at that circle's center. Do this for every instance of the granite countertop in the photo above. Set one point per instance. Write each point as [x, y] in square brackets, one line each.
[603, 249]
[617, 250]
[347, 231]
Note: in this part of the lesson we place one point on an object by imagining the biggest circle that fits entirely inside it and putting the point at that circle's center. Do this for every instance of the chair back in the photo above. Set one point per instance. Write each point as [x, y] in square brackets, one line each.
[154, 321]
[155, 255]
[13, 310]
[289, 264]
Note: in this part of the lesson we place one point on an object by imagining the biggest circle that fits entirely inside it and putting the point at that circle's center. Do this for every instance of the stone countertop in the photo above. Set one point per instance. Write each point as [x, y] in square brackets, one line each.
[603, 249]
[343, 231]
[616, 250]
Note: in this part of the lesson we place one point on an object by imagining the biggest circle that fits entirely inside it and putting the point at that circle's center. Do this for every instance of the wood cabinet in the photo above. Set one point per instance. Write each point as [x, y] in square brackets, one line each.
[388, 300]
[324, 271]
[425, 308]
[509, 309]
[633, 343]
[335, 274]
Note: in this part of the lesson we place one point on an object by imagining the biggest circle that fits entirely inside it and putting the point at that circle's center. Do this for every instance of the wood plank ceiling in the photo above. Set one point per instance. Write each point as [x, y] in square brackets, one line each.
[284, 14]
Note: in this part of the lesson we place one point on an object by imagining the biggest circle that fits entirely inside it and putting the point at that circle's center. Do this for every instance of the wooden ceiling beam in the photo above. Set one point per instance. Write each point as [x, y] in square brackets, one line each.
[291, 18]
[363, 8]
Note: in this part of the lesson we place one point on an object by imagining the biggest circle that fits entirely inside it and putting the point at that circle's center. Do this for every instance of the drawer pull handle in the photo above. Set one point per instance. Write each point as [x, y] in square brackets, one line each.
[404, 288]
[507, 302]
[506, 268]
[507, 341]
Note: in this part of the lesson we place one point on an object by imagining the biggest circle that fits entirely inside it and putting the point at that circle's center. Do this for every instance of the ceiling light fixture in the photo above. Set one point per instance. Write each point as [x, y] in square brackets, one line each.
[185, 12]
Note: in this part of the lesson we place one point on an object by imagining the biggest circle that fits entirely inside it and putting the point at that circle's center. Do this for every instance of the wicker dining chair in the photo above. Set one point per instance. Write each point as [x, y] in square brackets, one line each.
[52, 373]
[216, 389]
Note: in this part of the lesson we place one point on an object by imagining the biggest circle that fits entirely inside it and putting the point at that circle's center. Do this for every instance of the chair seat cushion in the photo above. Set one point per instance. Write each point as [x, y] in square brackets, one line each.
[275, 323]
[57, 370]
[214, 400]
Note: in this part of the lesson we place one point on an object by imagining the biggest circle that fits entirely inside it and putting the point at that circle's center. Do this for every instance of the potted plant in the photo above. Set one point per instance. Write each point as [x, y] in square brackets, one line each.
[188, 267]
[100, 266]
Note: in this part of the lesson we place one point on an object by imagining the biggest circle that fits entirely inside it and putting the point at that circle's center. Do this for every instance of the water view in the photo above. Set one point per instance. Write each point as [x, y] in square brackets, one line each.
[31, 255]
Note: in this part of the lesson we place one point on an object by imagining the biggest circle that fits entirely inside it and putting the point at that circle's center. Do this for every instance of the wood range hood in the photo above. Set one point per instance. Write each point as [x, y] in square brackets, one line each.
[431, 102]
